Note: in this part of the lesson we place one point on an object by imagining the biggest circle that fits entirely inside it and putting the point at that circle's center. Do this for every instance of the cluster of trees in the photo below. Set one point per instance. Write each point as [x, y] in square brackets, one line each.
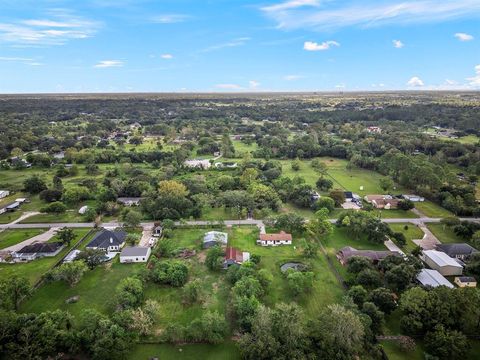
[364, 225]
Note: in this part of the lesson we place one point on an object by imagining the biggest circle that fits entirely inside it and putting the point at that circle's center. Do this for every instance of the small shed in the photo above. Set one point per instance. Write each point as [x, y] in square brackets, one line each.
[135, 254]
[465, 281]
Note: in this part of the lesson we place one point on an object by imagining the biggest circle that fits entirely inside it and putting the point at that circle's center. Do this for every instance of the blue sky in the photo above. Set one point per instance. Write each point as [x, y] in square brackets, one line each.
[233, 45]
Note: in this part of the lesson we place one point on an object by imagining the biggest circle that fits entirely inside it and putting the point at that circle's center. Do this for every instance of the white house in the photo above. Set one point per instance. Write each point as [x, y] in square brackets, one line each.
[129, 201]
[135, 254]
[432, 278]
[441, 262]
[4, 193]
[198, 163]
[413, 198]
[108, 241]
[282, 238]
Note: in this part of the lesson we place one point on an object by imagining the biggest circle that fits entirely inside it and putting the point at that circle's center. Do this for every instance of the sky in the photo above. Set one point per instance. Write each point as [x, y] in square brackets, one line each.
[57, 46]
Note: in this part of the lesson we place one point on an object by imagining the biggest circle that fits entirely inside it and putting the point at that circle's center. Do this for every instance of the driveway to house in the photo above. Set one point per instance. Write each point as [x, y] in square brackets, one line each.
[429, 241]
[393, 247]
[44, 237]
[146, 234]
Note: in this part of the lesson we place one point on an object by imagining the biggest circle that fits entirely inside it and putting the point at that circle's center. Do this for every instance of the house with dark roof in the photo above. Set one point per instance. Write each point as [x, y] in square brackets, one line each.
[458, 251]
[38, 250]
[281, 238]
[108, 241]
[346, 253]
[465, 281]
[234, 256]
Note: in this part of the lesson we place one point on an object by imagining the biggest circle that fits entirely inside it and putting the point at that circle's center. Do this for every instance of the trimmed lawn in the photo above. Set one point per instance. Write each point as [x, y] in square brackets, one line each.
[412, 233]
[34, 270]
[227, 350]
[431, 209]
[68, 216]
[96, 290]
[444, 233]
[395, 214]
[326, 289]
[8, 217]
[241, 147]
[215, 213]
[12, 237]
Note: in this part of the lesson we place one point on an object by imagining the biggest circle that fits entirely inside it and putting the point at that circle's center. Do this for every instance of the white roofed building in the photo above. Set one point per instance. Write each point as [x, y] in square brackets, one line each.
[432, 278]
[441, 262]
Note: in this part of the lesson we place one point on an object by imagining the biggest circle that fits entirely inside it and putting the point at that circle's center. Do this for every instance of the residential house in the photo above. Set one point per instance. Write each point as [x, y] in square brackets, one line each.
[204, 164]
[374, 130]
[72, 255]
[465, 281]
[386, 204]
[108, 241]
[346, 253]
[38, 250]
[157, 231]
[413, 198]
[370, 198]
[213, 238]
[4, 193]
[432, 278]
[458, 251]
[129, 201]
[351, 197]
[281, 238]
[441, 262]
[234, 256]
[135, 254]
[10, 207]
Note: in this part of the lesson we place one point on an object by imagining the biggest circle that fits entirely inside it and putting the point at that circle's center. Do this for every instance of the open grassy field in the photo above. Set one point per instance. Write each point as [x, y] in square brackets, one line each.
[342, 177]
[241, 148]
[34, 270]
[225, 351]
[444, 233]
[326, 289]
[12, 237]
[431, 209]
[411, 233]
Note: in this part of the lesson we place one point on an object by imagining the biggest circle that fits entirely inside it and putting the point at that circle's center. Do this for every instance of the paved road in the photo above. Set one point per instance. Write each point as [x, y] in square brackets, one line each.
[258, 223]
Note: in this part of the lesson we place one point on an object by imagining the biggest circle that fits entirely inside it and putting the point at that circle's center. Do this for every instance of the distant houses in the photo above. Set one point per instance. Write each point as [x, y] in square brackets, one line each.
[83, 210]
[281, 238]
[129, 201]
[234, 256]
[213, 238]
[108, 241]
[441, 262]
[226, 165]
[4, 193]
[38, 250]
[135, 254]
[413, 198]
[346, 253]
[203, 164]
[10, 207]
[382, 201]
[374, 130]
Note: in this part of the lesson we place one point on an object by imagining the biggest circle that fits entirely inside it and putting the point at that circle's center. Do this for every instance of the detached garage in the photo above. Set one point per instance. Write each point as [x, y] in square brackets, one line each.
[441, 262]
[135, 254]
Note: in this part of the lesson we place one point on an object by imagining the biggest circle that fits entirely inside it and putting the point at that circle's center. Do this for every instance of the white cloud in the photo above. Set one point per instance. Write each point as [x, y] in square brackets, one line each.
[109, 63]
[415, 82]
[233, 43]
[26, 61]
[464, 37]
[340, 86]
[292, 4]
[398, 44]
[292, 77]
[475, 80]
[371, 13]
[228, 86]
[253, 84]
[170, 18]
[58, 30]
[313, 46]
[166, 56]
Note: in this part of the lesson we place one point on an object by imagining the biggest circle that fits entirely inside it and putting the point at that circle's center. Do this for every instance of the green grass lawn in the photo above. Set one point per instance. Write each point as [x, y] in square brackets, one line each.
[8, 217]
[68, 216]
[34, 270]
[444, 233]
[12, 237]
[326, 289]
[431, 209]
[394, 352]
[241, 148]
[412, 233]
[225, 351]
[395, 214]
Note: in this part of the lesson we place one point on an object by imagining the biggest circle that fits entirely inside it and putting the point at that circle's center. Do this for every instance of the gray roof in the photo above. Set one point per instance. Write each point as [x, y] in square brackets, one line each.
[135, 251]
[433, 278]
[465, 279]
[456, 249]
[105, 238]
[348, 252]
